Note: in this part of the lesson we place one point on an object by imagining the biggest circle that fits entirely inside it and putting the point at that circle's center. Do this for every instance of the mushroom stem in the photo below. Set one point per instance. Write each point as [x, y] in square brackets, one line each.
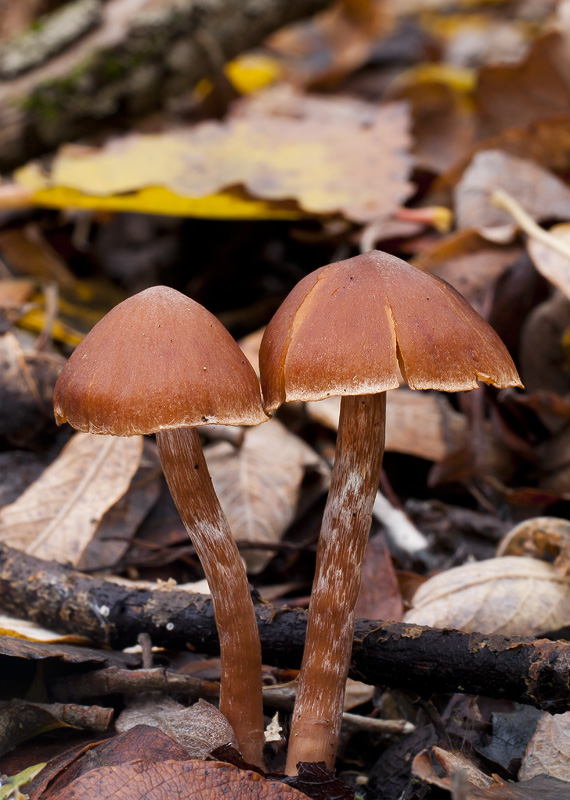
[191, 487]
[346, 523]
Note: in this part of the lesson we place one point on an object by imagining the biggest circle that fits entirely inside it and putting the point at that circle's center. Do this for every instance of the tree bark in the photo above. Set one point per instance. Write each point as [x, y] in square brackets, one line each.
[129, 57]
[419, 659]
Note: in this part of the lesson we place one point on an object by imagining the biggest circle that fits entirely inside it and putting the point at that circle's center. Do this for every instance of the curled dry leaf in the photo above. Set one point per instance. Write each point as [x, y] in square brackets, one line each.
[57, 516]
[26, 388]
[511, 596]
[407, 412]
[548, 752]
[539, 537]
[199, 729]
[185, 780]
[540, 193]
[552, 265]
[258, 484]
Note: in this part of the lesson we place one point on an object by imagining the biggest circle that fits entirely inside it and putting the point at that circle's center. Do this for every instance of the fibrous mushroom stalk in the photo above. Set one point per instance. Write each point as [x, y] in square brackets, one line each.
[191, 487]
[346, 524]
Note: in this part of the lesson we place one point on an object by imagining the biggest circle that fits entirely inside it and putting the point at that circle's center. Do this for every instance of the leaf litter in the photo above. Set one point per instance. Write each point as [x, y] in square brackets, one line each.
[432, 108]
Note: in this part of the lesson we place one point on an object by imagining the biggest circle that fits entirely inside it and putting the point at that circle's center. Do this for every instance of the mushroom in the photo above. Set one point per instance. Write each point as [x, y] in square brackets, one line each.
[349, 329]
[160, 363]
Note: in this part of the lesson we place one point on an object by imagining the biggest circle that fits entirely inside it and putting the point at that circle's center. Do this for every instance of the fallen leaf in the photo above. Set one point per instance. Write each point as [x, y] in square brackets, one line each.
[407, 412]
[511, 734]
[322, 152]
[468, 262]
[11, 785]
[15, 648]
[199, 728]
[541, 352]
[379, 596]
[26, 388]
[548, 752]
[28, 253]
[509, 95]
[57, 516]
[258, 484]
[551, 264]
[122, 520]
[25, 629]
[541, 193]
[511, 596]
[21, 720]
[185, 780]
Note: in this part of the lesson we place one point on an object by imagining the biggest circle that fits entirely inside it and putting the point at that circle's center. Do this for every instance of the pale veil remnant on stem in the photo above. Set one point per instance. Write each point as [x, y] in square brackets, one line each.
[160, 363]
[351, 329]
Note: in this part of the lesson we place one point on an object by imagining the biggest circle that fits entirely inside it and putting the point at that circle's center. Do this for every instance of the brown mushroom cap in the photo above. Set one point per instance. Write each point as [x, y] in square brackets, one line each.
[347, 327]
[157, 361]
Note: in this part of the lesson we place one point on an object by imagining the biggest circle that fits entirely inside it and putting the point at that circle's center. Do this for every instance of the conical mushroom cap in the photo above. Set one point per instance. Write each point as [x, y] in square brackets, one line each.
[158, 360]
[350, 327]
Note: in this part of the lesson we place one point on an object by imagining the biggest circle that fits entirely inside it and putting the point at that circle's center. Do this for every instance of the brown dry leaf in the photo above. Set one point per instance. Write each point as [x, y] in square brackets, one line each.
[455, 761]
[539, 537]
[332, 155]
[28, 253]
[27, 379]
[185, 780]
[469, 262]
[122, 520]
[356, 694]
[379, 596]
[541, 352]
[407, 412]
[21, 720]
[258, 484]
[520, 94]
[332, 44]
[443, 114]
[551, 264]
[540, 193]
[57, 516]
[548, 752]
[199, 729]
[511, 596]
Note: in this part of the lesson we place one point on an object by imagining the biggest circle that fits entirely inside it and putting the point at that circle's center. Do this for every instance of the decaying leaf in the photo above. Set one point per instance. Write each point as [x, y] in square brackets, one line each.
[24, 629]
[258, 484]
[199, 729]
[57, 516]
[332, 155]
[26, 387]
[407, 413]
[548, 751]
[541, 193]
[20, 720]
[554, 266]
[469, 262]
[119, 523]
[509, 595]
[511, 95]
[186, 780]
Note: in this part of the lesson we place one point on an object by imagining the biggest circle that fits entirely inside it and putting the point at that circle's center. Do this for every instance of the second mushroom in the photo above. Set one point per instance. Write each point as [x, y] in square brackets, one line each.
[351, 329]
[161, 363]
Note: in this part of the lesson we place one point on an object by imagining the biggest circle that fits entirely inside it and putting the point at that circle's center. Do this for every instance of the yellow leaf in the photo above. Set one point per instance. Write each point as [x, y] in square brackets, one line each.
[280, 152]
[248, 73]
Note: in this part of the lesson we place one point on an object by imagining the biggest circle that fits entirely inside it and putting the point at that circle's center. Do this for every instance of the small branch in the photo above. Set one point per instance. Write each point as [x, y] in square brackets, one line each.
[506, 202]
[412, 657]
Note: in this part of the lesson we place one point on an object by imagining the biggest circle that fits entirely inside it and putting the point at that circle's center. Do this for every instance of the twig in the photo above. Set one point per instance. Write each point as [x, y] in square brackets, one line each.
[504, 200]
[413, 657]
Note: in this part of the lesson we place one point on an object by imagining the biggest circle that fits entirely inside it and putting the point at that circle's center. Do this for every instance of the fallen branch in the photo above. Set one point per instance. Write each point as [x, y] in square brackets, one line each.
[129, 57]
[420, 659]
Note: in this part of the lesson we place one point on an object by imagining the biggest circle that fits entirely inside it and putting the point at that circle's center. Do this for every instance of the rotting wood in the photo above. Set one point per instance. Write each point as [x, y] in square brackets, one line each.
[412, 657]
[140, 56]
